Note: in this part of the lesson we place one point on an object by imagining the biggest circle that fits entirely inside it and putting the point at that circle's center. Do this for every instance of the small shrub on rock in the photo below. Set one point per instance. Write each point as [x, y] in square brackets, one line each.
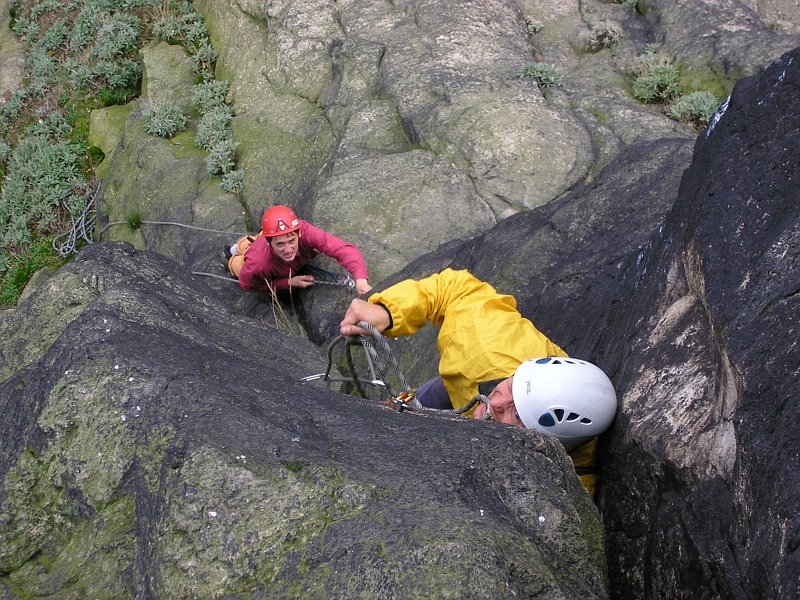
[696, 108]
[220, 159]
[213, 127]
[117, 36]
[163, 119]
[210, 94]
[656, 78]
[545, 75]
[602, 35]
[203, 60]
[233, 182]
[533, 27]
[40, 175]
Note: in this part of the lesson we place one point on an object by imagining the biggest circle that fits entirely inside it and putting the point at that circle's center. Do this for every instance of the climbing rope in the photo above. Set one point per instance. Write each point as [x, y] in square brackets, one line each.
[174, 224]
[380, 363]
[81, 227]
[377, 351]
[345, 282]
[83, 224]
[225, 277]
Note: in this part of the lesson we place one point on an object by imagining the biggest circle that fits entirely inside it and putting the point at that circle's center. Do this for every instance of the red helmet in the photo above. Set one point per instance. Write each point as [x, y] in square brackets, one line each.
[279, 220]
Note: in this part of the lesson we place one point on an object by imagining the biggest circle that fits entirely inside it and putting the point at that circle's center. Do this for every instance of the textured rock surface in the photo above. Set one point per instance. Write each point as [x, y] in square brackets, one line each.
[148, 452]
[704, 478]
[562, 262]
[693, 310]
[12, 58]
[403, 126]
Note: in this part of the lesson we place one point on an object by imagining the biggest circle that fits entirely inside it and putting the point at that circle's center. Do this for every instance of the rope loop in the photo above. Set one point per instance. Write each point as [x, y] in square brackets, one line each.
[380, 367]
[82, 225]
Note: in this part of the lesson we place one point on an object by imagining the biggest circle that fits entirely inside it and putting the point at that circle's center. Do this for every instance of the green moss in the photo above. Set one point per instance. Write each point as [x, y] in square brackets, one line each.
[708, 80]
[22, 264]
[208, 536]
[89, 562]
[150, 452]
[600, 117]
[294, 466]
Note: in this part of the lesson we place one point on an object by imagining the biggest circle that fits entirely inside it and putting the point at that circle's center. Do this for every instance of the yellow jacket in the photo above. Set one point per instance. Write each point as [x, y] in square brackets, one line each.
[482, 336]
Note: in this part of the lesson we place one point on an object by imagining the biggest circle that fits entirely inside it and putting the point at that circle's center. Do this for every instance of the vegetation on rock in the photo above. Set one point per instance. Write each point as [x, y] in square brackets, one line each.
[545, 75]
[82, 55]
[657, 80]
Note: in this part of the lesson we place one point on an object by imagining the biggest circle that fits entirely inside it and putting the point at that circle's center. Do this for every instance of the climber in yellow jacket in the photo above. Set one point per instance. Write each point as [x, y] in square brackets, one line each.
[482, 339]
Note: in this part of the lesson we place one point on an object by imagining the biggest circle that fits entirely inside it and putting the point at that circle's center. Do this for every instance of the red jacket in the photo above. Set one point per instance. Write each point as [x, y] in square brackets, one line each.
[263, 269]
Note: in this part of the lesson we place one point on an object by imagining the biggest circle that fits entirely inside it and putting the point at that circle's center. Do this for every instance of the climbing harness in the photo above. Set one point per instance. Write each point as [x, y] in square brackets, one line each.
[378, 352]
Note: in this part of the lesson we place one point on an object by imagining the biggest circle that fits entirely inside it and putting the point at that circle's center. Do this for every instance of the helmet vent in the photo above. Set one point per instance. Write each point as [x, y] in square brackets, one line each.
[572, 417]
[559, 412]
[547, 420]
[586, 421]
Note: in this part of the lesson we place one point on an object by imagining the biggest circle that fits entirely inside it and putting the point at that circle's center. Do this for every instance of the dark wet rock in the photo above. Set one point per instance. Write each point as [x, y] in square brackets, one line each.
[155, 444]
[684, 287]
[703, 476]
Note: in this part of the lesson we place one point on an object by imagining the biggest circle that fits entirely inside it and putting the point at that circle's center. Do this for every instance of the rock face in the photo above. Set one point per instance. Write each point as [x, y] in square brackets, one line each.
[691, 304]
[156, 445]
[402, 126]
[156, 441]
[12, 59]
[562, 262]
[704, 479]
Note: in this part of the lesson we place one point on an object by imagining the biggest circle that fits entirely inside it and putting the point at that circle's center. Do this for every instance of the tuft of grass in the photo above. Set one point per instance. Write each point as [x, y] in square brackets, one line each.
[602, 35]
[134, 220]
[282, 321]
[163, 119]
[696, 108]
[532, 26]
[545, 75]
[22, 264]
[656, 79]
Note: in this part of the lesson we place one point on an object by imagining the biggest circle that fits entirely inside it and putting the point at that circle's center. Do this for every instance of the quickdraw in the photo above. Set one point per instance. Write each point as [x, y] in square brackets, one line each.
[404, 401]
[380, 363]
[345, 282]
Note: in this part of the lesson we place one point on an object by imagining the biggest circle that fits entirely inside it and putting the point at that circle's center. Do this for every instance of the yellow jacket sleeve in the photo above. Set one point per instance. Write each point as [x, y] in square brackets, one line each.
[482, 336]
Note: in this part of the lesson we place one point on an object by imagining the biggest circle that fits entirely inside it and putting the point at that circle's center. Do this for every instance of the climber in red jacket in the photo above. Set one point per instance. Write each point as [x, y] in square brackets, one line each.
[274, 259]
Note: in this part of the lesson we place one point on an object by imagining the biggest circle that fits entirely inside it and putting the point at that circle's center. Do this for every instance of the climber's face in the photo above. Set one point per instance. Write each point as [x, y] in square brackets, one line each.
[285, 246]
[501, 405]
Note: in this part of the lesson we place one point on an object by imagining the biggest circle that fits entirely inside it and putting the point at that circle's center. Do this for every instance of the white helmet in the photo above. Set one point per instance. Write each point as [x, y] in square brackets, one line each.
[567, 398]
